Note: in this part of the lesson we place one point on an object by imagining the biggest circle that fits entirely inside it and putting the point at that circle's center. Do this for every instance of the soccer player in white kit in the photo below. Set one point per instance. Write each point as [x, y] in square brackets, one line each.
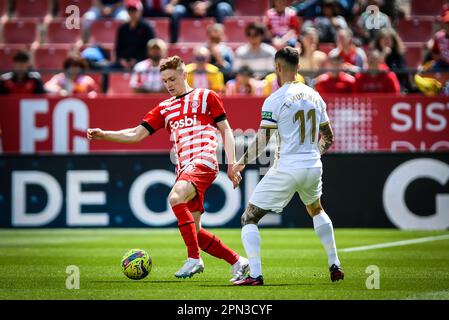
[297, 114]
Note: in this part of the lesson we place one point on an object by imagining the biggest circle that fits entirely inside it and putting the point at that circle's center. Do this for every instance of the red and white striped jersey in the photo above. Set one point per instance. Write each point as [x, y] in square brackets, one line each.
[191, 121]
[280, 24]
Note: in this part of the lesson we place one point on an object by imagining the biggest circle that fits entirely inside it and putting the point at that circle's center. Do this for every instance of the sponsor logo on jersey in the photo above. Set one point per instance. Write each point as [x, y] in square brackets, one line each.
[183, 123]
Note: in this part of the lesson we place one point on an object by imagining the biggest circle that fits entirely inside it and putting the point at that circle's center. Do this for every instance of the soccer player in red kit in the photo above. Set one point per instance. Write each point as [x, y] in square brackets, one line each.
[193, 118]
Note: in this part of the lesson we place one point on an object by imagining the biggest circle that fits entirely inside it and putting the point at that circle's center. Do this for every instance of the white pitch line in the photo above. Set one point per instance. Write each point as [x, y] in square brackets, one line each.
[396, 243]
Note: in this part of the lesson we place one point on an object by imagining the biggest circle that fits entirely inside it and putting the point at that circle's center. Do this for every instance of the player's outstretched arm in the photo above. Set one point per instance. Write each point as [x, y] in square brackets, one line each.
[229, 146]
[327, 137]
[257, 146]
[131, 135]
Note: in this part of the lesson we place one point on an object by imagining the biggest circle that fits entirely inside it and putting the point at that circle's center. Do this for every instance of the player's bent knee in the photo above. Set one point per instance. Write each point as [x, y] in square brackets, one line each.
[175, 198]
[252, 215]
[314, 208]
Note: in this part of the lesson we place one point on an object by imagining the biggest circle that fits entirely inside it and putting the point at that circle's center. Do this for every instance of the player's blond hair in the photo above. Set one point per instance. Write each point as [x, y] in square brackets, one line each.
[172, 63]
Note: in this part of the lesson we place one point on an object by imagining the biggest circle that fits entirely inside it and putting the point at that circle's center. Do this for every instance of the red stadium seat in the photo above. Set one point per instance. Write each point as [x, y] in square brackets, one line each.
[413, 54]
[415, 30]
[6, 54]
[183, 50]
[3, 7]
[19, 31]
[104, 31]
[161, 27]
[32, 8]
[83, 5]
[194, 30]
[235, 27]
[426, 7]
[251, 7]
[50, 57]
[57, 32]
[119, 83]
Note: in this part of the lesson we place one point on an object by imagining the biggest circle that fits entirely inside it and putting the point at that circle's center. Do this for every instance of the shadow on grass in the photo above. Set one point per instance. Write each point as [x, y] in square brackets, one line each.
[148, 281]
[265, 285]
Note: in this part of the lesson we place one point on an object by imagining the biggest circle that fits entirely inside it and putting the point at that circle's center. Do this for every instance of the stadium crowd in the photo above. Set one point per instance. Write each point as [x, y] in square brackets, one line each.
[228, 46]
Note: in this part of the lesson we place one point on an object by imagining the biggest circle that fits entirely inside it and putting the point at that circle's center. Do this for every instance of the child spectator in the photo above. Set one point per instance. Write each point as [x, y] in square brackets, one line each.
[21, 80]
[202, 74]
[376, 78]
[244, 84]
[146, 77]
[72, 80]
[335, 81]
[282, 23]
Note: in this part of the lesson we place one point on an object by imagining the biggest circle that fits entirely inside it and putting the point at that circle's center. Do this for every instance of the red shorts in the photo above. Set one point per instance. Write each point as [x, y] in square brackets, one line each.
[201, 177]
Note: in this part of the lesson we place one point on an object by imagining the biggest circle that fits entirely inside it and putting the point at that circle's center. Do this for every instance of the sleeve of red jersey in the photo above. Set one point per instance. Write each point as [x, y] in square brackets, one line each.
[215, 105]
[153, 120]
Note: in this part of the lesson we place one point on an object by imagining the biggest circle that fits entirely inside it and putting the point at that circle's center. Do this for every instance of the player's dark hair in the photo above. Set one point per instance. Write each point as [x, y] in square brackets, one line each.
[21, 56]
[288, 54]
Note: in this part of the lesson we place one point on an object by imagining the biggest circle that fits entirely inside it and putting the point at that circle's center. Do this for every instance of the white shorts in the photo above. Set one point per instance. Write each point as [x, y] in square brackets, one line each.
[277, 188]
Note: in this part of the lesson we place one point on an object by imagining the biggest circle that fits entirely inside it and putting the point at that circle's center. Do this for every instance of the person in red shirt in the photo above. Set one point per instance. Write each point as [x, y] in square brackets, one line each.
[376, 78]
[440, 48]
[21, 80]
[282, 23]
[193, 117]
[335, 81]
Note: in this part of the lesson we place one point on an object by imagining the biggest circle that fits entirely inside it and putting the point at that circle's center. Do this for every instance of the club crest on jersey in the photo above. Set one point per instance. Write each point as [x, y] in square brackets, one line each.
[182, 123]
[195, 104]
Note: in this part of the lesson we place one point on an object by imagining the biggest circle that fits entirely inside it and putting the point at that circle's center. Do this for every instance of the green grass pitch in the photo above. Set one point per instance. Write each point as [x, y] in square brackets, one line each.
[33, 265]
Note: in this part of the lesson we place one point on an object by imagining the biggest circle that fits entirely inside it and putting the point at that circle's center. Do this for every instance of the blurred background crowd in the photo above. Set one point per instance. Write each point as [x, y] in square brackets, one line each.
[65, 47]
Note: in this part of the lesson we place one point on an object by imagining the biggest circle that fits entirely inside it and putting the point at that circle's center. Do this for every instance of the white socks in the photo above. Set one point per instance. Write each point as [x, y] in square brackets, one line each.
[324, 230]
[251, 243]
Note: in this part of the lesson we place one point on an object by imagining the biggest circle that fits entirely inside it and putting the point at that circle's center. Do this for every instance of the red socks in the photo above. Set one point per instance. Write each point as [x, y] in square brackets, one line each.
[215, 247]
[186, 226]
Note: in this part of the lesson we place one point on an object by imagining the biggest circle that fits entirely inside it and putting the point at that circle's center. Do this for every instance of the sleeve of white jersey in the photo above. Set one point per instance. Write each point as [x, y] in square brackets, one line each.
[269, 114]
[324, 117]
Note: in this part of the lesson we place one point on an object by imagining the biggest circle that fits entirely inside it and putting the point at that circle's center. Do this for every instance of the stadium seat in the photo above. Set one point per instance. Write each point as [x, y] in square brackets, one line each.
[119, 83]
[3, 7]
[426, 8]
[104, 31]
[57, 32]
[83, 5]
[413, 54]
[415, 29]
[161, 27]
[183, 50]
[6, 54]
[251, 7]
[235, 27]
[194, 30]
[19, 31]
[32, 8]
[50, 57]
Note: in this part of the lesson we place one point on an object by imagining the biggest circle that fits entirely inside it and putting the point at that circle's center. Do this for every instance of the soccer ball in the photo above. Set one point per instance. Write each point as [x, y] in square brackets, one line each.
[136, 264]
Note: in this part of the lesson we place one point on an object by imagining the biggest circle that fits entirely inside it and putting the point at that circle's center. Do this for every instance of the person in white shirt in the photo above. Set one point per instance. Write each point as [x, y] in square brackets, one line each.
[297, 114]
[146, 77]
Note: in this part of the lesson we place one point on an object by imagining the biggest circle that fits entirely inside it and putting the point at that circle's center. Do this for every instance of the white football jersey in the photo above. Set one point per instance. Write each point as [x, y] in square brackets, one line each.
[297, 111]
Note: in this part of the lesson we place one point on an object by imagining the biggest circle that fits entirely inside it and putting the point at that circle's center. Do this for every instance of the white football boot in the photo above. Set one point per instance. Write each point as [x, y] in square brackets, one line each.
[190, 267]
[239, 269]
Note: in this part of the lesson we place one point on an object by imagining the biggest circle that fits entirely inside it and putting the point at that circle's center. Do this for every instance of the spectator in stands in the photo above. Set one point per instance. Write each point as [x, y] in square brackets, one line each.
[335, 81]
[440, 46]
[104, 9]
[310, 59]
[158, 8]
[370, 23]
[282, 23]
[202, 74]
[72, 80]
[354, 57]
[329, 22]
[132, 38]
[146, 77]
[376, 78]
[222, 56]
[21, 80]
[391, 46]
[257, 55]
[244, 84]
[219, 9]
